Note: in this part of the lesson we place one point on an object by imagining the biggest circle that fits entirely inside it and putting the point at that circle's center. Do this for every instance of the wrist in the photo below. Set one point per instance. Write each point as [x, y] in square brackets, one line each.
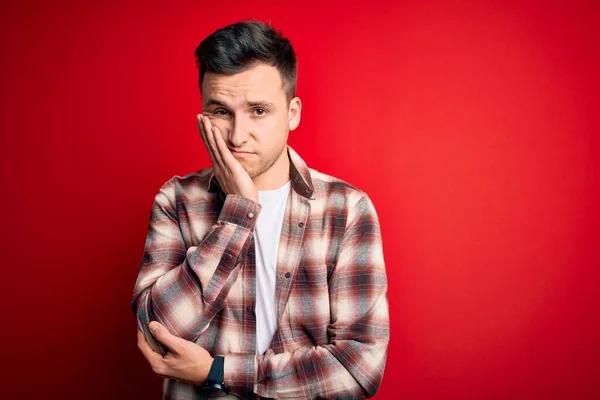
[206, 371]
[215, 385]
[240, 210]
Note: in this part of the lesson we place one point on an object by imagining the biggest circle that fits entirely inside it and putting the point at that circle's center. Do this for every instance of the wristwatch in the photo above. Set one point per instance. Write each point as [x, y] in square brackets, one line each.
[214, 386]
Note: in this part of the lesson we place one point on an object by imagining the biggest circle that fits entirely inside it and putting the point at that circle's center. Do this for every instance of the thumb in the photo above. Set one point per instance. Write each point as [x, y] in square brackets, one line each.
[164, 336]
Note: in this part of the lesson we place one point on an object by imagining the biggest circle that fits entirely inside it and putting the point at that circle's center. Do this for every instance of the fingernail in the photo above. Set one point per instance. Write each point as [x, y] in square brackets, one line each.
[153, 325]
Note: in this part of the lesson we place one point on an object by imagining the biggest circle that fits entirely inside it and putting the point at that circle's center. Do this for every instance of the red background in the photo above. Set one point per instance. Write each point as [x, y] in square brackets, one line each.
[474, 128]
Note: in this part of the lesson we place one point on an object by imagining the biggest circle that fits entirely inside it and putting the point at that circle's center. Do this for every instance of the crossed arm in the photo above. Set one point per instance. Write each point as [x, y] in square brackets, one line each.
[351, 364]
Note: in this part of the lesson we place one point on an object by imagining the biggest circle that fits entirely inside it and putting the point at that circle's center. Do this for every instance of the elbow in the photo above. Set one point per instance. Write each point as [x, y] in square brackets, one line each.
[142, 308]
[374, 383]
[372, 390]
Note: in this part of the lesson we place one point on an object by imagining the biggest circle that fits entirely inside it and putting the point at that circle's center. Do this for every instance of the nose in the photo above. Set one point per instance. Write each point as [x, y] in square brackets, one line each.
[239, 131]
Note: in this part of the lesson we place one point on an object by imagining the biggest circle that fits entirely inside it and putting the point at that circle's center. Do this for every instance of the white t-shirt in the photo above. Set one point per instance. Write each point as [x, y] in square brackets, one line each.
[267, 233]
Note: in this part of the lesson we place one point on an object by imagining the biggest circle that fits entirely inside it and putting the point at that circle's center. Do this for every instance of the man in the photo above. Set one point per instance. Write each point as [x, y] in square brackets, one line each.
[261, 277]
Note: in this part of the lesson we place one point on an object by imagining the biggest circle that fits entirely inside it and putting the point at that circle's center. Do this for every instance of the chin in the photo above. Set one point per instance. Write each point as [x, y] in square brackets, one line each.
[253, 173]
[259, 168]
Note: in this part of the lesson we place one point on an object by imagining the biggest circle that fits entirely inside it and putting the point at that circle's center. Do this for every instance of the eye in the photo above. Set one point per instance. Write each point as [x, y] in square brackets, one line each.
[221, 112]
[260, 111]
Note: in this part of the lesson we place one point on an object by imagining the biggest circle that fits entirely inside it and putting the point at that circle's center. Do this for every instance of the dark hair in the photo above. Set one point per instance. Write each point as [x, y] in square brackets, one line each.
[240, 46]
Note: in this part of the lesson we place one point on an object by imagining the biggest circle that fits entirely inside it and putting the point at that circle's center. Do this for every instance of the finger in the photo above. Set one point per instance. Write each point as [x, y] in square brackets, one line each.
[224, 151]
[204, 135]
[219, 151]
[211, 140]
[150, 355]
[172, 342]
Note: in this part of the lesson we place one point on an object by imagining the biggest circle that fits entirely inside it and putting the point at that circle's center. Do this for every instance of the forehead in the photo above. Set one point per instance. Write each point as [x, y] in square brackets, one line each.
[260, 82]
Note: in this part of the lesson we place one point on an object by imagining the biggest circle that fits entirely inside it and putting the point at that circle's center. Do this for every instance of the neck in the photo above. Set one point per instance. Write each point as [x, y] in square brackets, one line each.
[276, 176]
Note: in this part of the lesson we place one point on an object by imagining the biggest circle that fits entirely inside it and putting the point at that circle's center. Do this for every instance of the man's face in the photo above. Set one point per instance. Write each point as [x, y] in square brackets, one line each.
[252, 112]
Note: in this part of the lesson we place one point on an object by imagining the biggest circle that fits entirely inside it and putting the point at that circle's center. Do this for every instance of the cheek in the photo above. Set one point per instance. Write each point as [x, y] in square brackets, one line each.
[222, 124]
[273, 134]
[275, 126]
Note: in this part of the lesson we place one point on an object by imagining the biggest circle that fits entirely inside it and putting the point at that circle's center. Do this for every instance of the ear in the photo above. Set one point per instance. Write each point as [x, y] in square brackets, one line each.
[294, 113]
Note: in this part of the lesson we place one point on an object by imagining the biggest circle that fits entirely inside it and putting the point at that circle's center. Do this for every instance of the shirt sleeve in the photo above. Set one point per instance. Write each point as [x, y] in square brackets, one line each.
[184, 288]
[351, 365]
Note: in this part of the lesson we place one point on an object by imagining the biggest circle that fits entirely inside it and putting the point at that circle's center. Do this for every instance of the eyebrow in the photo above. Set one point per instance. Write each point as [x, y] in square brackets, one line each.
[261, 103]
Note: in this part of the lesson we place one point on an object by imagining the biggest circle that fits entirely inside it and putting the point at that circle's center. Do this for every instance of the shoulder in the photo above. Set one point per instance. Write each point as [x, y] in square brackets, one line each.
[193, 185]
[336, 192]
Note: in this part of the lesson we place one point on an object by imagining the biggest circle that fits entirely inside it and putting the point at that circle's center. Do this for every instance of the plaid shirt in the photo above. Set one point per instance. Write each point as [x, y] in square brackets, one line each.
[198, 279]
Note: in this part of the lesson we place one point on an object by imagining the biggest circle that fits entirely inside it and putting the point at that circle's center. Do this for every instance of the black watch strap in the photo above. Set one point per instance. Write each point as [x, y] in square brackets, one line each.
[217, 370]
[215, 387]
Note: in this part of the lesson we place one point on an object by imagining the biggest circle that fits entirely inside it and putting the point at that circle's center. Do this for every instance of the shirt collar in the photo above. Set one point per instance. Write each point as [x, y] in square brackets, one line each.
[299, 176]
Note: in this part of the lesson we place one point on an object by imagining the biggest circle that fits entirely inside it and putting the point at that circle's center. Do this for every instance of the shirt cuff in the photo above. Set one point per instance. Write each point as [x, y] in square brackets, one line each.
[240, 210]
[240, 373]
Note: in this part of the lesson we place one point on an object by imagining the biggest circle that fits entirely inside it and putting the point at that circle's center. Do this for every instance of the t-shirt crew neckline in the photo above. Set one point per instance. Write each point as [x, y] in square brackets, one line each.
[269, 195]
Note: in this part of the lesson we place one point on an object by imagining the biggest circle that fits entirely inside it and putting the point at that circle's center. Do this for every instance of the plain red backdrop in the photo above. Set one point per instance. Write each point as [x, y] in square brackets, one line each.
[473, 126]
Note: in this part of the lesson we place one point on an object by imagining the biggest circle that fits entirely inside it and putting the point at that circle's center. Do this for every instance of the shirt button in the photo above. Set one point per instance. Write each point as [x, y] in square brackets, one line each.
[300, 224]
[251, 215]
[287, 275]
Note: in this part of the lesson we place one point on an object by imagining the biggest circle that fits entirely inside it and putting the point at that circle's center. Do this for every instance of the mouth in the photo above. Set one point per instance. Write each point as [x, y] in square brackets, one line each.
[240, 153]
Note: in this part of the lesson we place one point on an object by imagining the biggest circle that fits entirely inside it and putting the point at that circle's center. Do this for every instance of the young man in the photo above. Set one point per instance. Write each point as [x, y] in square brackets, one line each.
[261, 277]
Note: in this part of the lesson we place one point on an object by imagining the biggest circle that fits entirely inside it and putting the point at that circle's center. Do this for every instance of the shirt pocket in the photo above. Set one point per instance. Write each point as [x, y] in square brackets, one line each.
[309, 305]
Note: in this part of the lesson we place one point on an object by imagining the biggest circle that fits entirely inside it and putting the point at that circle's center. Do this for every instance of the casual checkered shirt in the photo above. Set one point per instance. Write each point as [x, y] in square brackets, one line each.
[197, 277]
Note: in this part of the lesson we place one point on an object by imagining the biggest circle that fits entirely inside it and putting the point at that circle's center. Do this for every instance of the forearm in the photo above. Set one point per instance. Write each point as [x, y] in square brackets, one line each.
[186, 297]
[180, 299]
[350, 369]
